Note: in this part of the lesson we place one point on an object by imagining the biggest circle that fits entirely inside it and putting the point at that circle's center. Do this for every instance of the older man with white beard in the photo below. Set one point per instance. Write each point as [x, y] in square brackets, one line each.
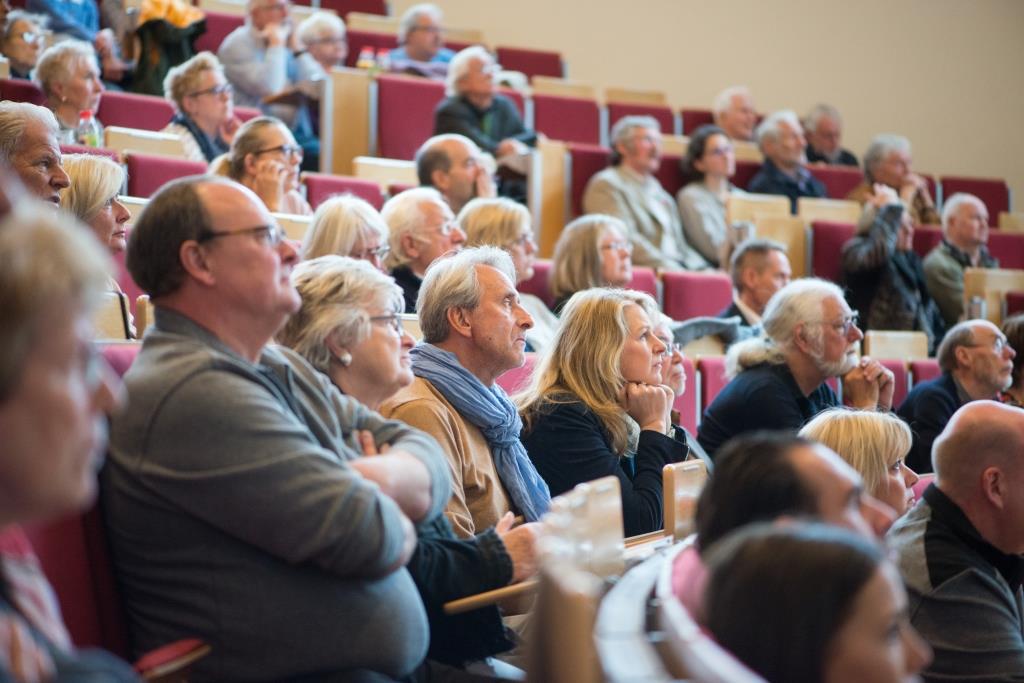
[779, 381]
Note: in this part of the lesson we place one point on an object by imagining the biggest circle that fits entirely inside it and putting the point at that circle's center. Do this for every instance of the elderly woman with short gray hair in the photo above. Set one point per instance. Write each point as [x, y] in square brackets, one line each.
[69, 76]
[887, 161]
[347, 226]
[204, 116]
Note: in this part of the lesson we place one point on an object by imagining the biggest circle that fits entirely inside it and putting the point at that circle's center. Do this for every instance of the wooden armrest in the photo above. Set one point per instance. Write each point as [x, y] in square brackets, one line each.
[486, 598]
[644, 538]
[172, 661]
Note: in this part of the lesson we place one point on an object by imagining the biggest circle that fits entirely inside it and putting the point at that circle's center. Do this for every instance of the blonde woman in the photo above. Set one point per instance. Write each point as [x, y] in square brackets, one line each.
[592, 251]
[347, 226]
[204, 116]
[69, 76]
[506, 224]
[876, 445]
[596, 405]
[265, 158]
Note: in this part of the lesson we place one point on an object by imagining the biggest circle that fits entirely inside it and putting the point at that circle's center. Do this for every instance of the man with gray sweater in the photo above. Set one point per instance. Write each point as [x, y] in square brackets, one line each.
[238, 502]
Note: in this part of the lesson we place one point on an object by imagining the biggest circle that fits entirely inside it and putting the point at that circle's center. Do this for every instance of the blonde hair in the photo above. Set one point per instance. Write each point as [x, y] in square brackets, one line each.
[339, 224]
[184, 78]
[577, 263]
[870, 442]
[336, 292]
[95, 180]
[493, 222]
[583, 362]
[248, 140]
[57, 63]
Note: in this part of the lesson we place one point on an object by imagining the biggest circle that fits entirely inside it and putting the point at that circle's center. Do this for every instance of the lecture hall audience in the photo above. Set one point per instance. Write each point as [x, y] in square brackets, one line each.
[887, 161]
[30, 143]
[824, 129]
[592, 251]
[204, 113]
[784, 171]
[347, 226]
[322, 37]
[759, 268]
[69, 77]
[453, 165]
[733, 111]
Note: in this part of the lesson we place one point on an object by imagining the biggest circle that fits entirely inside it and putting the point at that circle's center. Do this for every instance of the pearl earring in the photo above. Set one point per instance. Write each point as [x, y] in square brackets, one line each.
[345, 358]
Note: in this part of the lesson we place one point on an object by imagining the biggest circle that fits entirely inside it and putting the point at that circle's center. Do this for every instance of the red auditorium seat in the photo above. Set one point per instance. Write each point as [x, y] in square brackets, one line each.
[570, 119]
[689, 295]
[712, 378]
[901, 383]
[517, 99]
[120, 356]
[923, 370]
[531, 62]
[745, 172]
[644, 280]
[517, 378]
[670, 174]
[1008, 247]
[839, 181]
[343, 7]
[933, 187]
[246, 113]
[84, 149]
[125, 281]
[827, 240]
[357, 40]
[405, 114]
[662, 114]
[993, 192]
[585, 161]
[321, 186]
[687, 405]
[131, 110]
[396, 188]
[1015, 305]
[218, 26]
[695, 118]
[538, 284]
[20, 90]
[926, 238]
[147, 172]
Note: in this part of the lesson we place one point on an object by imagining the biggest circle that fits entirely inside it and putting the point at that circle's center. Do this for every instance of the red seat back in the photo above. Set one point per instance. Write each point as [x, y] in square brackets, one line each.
[687, 404]
[516, 379]
[570, 119]
[147, 173]
[695, 118]
[20, 90]
[124, 279]
[661, 113]
[839, 181]
[585, 161]
[993, 192]
[712, 378]
[132, 110]
[827, 240]
[531, 62]
[670, 174]
[246, 113]
[120, 356]
[1015, 305]
[924, 370]
[218, 26]
[396, 188]
[357, 40]
[926, 238]
[644, 280]
[692, 294]
[405, 114]
[745, 172]
[901, 382]
[538, 284]
[84, 149]
[343, 7]
[1008, 247]
[517, 99]
[322, 186]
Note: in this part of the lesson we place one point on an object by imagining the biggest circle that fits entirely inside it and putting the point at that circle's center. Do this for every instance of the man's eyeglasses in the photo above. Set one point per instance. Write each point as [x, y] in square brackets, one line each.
[617, 245]
[287, 150]
[271, 235]
[998, 345]
[32, 38]
[847, 323]
[670, 347]
[367, 254]
[224, 88]
[394, 321]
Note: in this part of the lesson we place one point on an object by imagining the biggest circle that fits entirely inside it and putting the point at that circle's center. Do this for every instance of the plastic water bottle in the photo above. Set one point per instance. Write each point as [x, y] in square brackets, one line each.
[383, 60]
[366, 60]
[89, 131]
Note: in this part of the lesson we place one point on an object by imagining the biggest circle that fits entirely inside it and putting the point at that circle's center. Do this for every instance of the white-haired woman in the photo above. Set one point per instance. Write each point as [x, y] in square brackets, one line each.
[69, 77]
[21, 40]
[322, 35]
[204, 116]
[506, 224]
[592, 251]
[347, 226]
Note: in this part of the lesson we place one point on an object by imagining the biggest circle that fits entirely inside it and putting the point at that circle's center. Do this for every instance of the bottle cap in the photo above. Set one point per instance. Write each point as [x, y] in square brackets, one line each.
[85, 114]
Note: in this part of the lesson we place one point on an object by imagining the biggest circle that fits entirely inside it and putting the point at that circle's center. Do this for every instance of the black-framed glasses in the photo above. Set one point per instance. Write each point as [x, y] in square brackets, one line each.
[287, 150]
[394, 321]
[215, 90]
[272, 235]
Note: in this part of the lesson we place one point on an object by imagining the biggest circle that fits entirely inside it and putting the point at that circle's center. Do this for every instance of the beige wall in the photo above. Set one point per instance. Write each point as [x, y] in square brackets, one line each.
[949, 74]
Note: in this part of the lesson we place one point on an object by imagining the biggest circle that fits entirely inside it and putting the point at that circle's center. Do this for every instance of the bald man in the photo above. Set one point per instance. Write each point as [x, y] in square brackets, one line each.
[959, 549]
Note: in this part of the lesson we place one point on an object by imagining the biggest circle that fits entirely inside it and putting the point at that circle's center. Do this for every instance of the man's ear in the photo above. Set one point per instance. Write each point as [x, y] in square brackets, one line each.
[440, 180]
[993, 486]
[458, 321]
[195, 262]
[800, 338]
[410, 245]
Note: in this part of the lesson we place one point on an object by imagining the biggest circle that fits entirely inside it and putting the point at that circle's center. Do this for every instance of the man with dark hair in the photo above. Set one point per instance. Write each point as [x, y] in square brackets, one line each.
[759, 268]
[238, 503]
[976, 363]
[453, 165]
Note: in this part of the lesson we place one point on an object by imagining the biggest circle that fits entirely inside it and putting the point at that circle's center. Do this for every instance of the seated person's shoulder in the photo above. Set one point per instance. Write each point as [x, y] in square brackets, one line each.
[420, 400]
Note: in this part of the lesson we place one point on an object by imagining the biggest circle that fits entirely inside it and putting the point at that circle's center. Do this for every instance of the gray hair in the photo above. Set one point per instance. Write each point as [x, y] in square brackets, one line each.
[339, 223]
[751, 253]
[432, 156]
[452, 282]
[624, 127]
[880, 148]
[319, 25]
[14, 119]
[57, 63]
[770, 128]
[723, 100]
[413, 14]
[184, 78]
[961, 334]
[460, 65]
[403, 217]
[16, 15]
[336, 294]
[951, 206]
[819, 112]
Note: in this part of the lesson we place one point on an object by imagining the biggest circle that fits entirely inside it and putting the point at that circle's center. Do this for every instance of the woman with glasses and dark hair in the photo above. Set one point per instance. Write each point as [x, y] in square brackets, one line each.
[265, 158]
[204, 116]
[347, 226]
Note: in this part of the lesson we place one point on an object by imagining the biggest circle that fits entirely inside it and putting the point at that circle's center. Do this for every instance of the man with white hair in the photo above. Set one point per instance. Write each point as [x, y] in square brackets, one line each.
[629, 191]
[887, 161]
[779, 380]
[474, 330]
[29, 144]
[421, 36]
[959, 549]
[454, 166]
[421, 229]
[733, 111]
[824, 137]
[781, 139]
[977, 363]
[964, 240]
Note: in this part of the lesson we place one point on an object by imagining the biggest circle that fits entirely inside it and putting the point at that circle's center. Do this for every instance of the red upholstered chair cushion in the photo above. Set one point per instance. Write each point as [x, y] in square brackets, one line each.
[695, 118]
[127, 284]
[538, 284]
[901, 381]
[670, 174]
[745, 172]
[828, 238]
[20, 90]
[517, 99]
[516, 379]
[686, 404]
[147, 173]
[396, 188]
[926, 238]
[585, 161]
[839, 181]
[357, 40]
[712, 378]
[661, 113]
[120, 356]
[83, 149]
[218, 26]
[405, 114]
[692, 294]
[570, 119]
[343, 7]
[644, 280]
[531, 62]
[924, 370]
[132, 110]
[322, 186]
[1008, 247]
[1015, 305]
[246, 113]
[993, 192]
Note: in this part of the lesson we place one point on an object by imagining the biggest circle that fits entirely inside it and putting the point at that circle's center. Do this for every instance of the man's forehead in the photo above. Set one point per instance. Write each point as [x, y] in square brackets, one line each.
[38, 138]
[230, 204]
[493, 279]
